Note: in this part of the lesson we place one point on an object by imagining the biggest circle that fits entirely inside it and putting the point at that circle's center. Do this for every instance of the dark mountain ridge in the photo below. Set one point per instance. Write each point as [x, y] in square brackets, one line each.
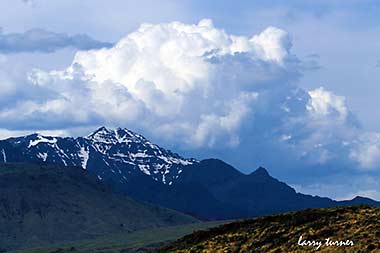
[257, 192]
[208, 189]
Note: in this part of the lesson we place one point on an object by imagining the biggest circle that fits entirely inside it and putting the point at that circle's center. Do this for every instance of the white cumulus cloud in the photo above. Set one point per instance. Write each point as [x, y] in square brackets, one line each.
[324, 102]
[198, 87]
[192, 82]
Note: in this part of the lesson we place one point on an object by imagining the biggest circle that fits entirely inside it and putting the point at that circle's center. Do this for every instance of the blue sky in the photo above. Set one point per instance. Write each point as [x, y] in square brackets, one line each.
[327, 144]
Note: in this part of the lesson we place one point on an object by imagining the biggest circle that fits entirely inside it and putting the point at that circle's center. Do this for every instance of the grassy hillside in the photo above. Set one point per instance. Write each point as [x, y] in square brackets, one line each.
[137, 241]
[281, 233]
[43, 204]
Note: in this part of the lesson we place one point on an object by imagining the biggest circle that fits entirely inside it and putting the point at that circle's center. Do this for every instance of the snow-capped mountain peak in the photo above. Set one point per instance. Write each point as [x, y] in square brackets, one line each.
[119, 135]
[117, 154]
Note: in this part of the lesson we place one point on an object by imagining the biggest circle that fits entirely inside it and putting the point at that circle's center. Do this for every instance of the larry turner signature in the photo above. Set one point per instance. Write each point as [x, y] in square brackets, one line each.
[326, 242]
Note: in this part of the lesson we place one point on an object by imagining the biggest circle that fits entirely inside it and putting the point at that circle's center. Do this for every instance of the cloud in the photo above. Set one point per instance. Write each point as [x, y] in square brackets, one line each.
[366, 151]
[196, 87]
[191, 81]
[39, 40]
[323, 103]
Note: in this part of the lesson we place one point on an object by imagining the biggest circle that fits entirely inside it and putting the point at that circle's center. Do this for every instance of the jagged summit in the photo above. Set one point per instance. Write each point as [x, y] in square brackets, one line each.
[100, 131]
[119, 135]
[261, 171]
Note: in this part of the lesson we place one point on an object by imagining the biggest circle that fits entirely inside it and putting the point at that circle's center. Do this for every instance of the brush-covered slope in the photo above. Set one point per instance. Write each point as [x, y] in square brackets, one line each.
[281, 233]
[44, 204]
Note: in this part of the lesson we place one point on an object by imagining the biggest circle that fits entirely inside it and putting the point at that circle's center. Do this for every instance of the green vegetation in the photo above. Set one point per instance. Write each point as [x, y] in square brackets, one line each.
[281, 233]
[142, 240]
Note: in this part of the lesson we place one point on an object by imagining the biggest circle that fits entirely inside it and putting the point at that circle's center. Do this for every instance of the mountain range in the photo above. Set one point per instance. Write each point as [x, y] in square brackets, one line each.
[127, 161]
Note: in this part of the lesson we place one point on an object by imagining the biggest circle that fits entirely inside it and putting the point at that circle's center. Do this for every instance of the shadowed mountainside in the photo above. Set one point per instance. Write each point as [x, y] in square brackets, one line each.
[45, 204]
[257, 193]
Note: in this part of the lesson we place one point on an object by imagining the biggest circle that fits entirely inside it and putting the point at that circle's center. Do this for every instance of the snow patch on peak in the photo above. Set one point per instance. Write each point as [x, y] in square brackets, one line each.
[4, 156]
[84, 155]
[144, 168]
[42, 139]
[42, 156]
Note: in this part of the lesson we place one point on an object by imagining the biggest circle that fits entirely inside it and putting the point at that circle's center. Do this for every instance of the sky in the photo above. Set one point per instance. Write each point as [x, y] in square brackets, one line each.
[291, 86]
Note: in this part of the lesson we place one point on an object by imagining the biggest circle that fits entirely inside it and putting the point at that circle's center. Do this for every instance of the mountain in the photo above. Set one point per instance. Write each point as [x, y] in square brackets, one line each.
[111, 154]
[45, 204]
[258, 192]
[208, 189]
[282, 233]
[360, 201]
[125, 160]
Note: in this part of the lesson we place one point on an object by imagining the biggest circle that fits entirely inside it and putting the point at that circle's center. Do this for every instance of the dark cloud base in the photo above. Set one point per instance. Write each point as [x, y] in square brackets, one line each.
[39, 40]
